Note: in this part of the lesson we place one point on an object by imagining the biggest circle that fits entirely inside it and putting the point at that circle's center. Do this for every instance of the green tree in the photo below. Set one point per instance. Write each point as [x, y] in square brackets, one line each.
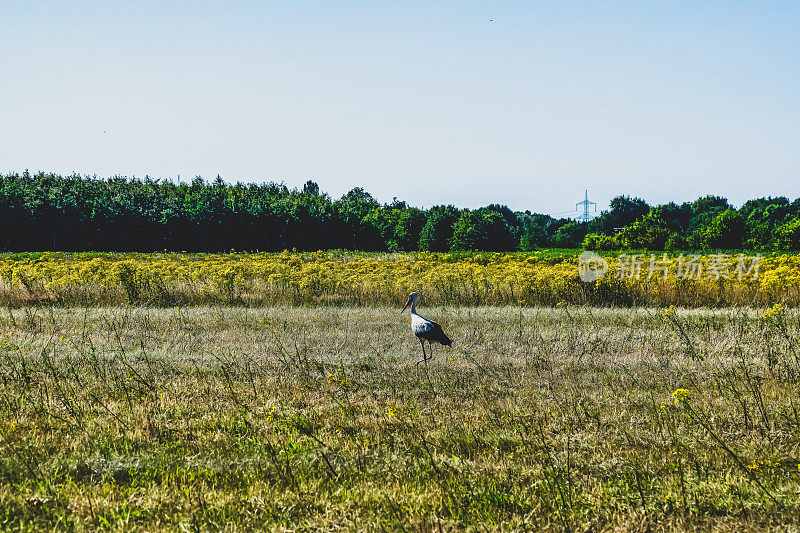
[787, 236]
[466, 232]
[408, 229]
[570, 235]
[725, 231]
[537, 230]
[655, 229]
[437, 232]
[483, 229]
[704, 210]
[597, 241]
[359, 228]
[762, 218]
[623, 210]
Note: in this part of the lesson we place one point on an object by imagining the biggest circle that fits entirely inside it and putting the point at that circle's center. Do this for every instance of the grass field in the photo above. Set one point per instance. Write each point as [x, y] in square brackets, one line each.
[318, 418]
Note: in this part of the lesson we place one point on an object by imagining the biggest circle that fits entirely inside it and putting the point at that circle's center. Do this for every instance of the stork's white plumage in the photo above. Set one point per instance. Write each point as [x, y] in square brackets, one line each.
[424, 329]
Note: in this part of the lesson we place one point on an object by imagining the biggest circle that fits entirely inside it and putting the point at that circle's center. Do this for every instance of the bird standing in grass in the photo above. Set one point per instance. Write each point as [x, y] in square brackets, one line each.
[425, 330]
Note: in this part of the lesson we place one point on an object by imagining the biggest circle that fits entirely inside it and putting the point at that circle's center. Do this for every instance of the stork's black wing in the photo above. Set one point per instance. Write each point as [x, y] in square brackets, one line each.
[435, 334]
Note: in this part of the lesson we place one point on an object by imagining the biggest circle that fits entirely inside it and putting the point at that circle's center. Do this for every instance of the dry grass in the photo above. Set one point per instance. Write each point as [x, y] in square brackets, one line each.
[559, 419]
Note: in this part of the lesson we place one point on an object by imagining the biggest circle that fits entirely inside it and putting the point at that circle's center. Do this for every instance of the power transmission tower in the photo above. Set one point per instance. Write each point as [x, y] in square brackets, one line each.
[585, 217]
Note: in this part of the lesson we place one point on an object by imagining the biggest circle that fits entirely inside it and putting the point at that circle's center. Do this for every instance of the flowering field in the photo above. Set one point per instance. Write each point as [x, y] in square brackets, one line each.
[340, 278]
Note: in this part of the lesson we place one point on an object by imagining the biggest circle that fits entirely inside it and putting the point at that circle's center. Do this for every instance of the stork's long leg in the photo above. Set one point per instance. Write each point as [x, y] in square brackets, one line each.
[424, 355]
[430, 349]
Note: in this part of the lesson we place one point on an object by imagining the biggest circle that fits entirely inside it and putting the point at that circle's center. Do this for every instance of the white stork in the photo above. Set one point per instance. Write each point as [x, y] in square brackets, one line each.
[424, 329]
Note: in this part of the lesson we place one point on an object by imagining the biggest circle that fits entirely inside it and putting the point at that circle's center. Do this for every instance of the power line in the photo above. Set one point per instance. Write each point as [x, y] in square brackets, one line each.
[520, 199]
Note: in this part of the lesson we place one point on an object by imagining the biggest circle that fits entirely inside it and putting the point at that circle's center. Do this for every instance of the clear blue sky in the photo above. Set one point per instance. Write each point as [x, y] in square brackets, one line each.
[470, 103]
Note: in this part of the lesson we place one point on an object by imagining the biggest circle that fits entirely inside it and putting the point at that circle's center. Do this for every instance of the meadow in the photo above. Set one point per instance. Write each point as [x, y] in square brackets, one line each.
[310, 418]
[282, 391]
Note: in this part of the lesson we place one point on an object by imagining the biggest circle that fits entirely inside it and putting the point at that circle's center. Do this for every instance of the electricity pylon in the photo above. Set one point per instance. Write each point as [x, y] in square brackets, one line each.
[585, 217]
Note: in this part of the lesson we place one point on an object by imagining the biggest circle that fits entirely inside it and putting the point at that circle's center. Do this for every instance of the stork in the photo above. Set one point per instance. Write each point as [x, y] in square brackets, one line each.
[424, 329]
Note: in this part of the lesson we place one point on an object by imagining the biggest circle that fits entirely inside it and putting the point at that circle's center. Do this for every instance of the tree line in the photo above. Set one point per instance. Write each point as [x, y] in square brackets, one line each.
[708, 223]
[46, 211]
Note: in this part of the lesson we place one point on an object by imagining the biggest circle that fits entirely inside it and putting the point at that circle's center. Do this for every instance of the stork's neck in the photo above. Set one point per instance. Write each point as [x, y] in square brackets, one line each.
[413, 307]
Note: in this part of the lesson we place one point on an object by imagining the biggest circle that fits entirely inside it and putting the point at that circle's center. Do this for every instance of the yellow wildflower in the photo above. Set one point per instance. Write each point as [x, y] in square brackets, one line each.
[777, 311]
[681, 396]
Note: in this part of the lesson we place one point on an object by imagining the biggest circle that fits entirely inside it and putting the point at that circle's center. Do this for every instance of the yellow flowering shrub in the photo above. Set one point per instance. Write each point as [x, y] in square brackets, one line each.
[337, 278]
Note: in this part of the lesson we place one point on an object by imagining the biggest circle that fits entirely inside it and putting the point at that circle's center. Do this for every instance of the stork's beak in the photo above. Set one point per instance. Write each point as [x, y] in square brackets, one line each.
[408, 302]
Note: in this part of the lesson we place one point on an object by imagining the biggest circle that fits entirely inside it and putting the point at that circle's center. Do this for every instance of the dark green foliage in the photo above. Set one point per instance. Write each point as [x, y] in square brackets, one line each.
[465, 232]
[725, 231]
[483, 229]
[537, 230]
[75, 213]
[596, 241]
[708, 223]
[651, 231]
[787, 236]
[408, 229]
[570, 235]
[624, 210]
[353, 210]
[763, 216]
[673, 217]
[438, 230]
[676, 242]
[705, 209]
